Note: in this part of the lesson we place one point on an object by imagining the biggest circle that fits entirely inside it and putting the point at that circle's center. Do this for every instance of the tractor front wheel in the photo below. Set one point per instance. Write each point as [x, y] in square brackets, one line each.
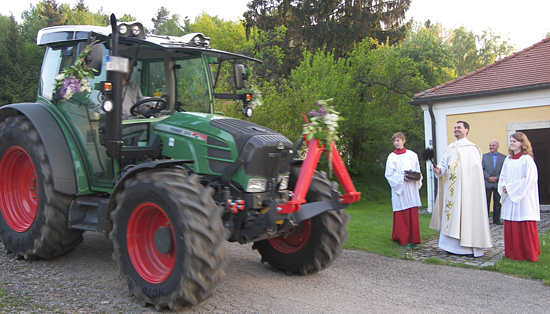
[168, 238]
[315, 243]
[33, 222]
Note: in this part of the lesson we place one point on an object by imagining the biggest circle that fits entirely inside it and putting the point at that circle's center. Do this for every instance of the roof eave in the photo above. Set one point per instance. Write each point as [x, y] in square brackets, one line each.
[424, 100]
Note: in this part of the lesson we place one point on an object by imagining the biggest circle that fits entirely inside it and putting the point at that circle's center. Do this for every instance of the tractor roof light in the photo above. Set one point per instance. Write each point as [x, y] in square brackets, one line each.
[131, 30]
[200, 40]
[135, 30]
[123, 29]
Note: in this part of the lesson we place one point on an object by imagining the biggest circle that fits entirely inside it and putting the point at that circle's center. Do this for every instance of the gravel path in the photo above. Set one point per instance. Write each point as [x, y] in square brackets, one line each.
[87, 281]
[431, 248]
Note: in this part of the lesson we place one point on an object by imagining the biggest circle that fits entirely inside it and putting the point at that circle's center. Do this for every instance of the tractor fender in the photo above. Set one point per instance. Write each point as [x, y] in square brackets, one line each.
[57, 148]
[128, 173]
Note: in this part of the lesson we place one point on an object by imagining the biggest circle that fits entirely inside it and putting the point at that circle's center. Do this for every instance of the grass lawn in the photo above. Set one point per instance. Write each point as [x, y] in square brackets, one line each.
[370, 229]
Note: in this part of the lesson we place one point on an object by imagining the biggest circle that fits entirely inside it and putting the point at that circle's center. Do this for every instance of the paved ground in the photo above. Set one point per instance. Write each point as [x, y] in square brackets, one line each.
[430, 249]
[87, 280]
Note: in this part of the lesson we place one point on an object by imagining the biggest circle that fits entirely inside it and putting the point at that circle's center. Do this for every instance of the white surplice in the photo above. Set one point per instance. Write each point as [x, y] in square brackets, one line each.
[404, 194]
[521, 200]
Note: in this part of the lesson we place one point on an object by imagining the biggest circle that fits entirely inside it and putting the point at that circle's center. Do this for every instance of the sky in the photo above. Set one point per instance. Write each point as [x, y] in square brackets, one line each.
[524, 22]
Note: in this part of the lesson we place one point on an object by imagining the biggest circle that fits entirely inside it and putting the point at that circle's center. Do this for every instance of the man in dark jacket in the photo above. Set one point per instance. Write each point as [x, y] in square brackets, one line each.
[492, 164]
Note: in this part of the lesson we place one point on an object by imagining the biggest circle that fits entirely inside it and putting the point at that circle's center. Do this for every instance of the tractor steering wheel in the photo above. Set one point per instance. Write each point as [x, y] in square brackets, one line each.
[148, 110]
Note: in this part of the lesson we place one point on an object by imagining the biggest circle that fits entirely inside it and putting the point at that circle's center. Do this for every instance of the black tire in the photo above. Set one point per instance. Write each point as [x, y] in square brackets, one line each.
[316, 242]
[190, 267]
[31, 225]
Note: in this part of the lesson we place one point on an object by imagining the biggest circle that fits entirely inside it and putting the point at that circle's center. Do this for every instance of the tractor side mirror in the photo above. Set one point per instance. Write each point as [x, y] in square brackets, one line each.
[93, 59]
[240, 76]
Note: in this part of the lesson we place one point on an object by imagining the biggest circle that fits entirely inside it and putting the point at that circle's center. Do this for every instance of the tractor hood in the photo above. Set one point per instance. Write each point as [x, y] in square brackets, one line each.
[260, 149]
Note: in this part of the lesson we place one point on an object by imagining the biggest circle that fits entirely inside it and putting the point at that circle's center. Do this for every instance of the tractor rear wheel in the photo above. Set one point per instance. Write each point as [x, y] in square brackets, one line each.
[33, 222]
[316, 242]
[168, 238]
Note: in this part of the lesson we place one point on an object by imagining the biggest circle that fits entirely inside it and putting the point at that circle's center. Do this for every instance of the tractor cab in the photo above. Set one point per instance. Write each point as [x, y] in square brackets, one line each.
[139, 80]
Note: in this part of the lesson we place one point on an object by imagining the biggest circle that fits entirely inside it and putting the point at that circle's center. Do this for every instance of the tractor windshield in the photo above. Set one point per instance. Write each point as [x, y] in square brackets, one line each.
[185, 83]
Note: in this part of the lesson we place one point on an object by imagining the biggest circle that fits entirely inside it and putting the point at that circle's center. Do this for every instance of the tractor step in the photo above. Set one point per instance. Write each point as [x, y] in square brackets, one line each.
[88, 213]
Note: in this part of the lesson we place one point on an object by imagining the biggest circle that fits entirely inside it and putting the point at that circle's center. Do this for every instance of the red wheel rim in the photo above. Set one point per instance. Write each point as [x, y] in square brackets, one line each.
[150, 264]
[295, 243]
[18, 189]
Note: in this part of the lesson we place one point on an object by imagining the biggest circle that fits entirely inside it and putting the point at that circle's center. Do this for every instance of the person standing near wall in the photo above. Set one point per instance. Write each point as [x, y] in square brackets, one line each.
[492, 165]
[518, 187]
[404, 192]
[459, 211]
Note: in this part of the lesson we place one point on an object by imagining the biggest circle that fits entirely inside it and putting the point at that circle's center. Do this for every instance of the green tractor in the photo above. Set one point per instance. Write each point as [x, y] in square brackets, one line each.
[171, 184]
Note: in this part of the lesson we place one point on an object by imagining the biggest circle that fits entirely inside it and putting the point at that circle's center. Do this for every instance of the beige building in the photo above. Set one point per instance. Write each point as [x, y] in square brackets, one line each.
[512, 94]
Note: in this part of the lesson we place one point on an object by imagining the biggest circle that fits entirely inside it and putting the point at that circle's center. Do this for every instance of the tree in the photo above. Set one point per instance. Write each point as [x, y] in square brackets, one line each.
[81, 6]
[337, 25]
[126, 18]
[465, 50]
[493, 47]
[427, 46]
[161, 17]
[224, 35]
[172, 26]
[15, 76]
[370, 89]
[80, 15]
[475, 51]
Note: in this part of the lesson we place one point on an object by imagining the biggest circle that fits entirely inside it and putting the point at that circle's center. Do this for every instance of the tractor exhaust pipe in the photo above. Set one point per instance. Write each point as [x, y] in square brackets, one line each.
[113, 129]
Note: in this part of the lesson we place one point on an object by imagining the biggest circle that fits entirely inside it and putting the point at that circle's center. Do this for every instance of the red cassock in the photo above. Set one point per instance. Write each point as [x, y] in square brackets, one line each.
[405, 226]
[521, 240]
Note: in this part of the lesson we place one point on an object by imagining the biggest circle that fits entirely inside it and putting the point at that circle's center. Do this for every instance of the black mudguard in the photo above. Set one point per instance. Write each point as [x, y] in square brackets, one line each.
[57, 148]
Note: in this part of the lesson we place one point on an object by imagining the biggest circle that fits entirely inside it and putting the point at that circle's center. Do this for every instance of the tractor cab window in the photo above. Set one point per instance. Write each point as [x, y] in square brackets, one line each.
[50, 68]
[193, 89]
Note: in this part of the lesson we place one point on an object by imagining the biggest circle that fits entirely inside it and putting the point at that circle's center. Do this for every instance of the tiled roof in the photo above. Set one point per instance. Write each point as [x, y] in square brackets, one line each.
[528, 68]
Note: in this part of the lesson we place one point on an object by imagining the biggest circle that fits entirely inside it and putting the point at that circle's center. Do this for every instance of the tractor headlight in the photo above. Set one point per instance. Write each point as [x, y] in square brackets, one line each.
[247, 111]
[131, 30]
[108, 105]
[256, 185]
[284, 182]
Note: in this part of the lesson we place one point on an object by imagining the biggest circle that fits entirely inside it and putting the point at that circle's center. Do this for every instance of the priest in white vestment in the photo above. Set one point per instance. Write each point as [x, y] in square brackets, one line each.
[460, 208]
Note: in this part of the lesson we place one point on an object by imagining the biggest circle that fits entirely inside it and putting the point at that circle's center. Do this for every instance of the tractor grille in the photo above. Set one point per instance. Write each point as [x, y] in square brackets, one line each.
[263, 155]
[216, 165]
[262, 150]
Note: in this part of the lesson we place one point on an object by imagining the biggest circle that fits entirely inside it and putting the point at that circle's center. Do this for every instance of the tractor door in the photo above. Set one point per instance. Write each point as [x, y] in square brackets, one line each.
[83, 114]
